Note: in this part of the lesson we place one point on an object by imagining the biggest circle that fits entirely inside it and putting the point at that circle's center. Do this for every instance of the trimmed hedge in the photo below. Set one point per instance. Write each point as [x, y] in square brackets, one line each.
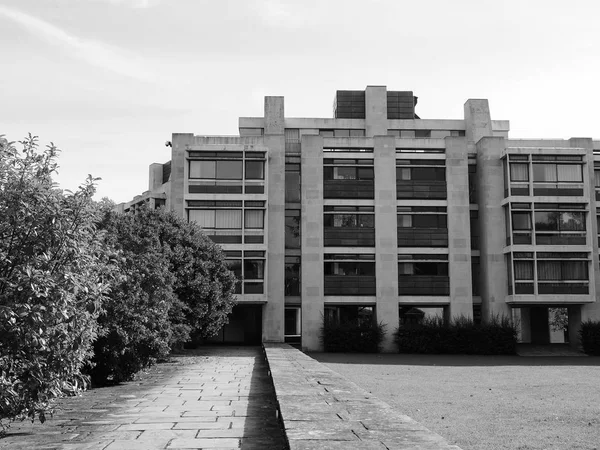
[461, 336]
[590, 337]
[352, 338]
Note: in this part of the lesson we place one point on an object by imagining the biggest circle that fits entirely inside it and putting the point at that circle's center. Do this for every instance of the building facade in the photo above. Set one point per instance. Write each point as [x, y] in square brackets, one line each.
[379, 215]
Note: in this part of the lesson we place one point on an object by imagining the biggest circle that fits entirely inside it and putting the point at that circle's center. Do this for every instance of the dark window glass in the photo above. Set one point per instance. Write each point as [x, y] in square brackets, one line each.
[292, 228]
[292, 185]
[254, 269]
[255, 170]
[521, 221]
[292, 275]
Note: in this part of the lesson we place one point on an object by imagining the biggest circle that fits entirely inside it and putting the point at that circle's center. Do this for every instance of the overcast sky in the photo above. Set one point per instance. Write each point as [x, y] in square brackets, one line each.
[108, 81]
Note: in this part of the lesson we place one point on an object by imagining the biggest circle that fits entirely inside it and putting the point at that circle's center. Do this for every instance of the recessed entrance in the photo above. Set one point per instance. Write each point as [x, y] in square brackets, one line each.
[244, 327]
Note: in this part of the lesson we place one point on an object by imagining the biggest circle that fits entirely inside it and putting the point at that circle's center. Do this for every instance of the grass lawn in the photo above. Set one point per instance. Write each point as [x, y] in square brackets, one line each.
[487, 402]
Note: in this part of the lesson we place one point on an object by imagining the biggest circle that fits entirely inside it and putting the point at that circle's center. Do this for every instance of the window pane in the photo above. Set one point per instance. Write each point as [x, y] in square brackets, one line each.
[292, 187]
[572, 221]
[292, 278]
[202, 169]
[228, 219]
[341, 133]
[569, 172]
[365, 173]
[549, 270]
[344, 173]
[366, 220]
[575, 270]
[235, 265]
[521, 221]
[546, 221]
[344, 220]
[254, 218]
[523, 270]
[519, 172]
[597, 178]
[229, 170]
[404, 221]
[255, 170]
[292, 322]
[292, 231]
[203, 217]
[544, 172]
[254, 269]
[403, 173]
[406, 268]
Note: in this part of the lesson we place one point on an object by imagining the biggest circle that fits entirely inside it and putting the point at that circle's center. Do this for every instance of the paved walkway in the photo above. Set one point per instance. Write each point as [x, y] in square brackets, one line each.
[548, 350]
[219, 397]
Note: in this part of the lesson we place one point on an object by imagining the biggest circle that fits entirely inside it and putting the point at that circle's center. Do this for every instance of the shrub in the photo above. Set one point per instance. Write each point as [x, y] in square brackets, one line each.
[590, 337]
[135, 330]
[461, 336]
[352, 338]
[53, 277]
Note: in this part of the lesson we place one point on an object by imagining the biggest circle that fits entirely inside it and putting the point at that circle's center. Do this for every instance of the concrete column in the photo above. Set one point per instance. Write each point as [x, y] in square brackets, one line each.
[376, 111]
[492, 227]
[386, 237]
[478, 121]
[459, 238]
[180, 143]
[589, 311]
[155, 176]
[274, 310]
[312, 278]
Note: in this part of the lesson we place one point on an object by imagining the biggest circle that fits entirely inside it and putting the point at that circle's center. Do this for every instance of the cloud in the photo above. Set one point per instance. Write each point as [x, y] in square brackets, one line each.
[138, 4]
[92, 52]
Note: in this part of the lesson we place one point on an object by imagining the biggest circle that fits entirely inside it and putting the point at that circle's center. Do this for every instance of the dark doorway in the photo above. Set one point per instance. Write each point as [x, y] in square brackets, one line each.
[540, 329]
[244, 327]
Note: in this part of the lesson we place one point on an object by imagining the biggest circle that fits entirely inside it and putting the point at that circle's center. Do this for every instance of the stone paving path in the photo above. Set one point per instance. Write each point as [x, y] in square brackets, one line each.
[210, 398]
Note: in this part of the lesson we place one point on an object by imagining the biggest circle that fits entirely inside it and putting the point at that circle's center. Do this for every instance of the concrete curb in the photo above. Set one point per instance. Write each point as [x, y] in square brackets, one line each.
[321, 409]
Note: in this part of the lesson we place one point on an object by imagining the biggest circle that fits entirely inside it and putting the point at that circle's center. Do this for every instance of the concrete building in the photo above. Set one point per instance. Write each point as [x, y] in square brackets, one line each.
[377, 214]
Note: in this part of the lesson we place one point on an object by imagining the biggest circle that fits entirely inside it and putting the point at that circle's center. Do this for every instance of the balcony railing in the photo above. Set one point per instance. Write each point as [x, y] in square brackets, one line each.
[349, 189]
[421, 189]
[349, 237]
[422, 237]
[423, 285]
[350, 285]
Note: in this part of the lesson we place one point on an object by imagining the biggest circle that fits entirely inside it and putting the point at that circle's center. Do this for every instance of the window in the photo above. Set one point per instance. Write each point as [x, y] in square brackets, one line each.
[292, 324]
[519, 172]
[292, 228]
[550, 172]
[423, 274]
[292, 183]
[521, 220]
[255, 170]
[254, 219]
[221, 170]
[559, 221]
[348, 173]
[292, 276]
[359, 315]
[254, 269]
[219, 219]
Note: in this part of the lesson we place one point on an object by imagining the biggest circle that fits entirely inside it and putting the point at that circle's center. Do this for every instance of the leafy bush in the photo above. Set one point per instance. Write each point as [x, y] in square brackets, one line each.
[351, 337]
[590, 337]
[461, 336]
[135, 330]
[173, 284]
[53, 276]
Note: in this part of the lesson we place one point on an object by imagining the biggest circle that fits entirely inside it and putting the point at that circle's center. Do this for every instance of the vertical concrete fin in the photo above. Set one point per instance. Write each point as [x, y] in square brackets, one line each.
[478, 121]
[376, 111]
[274, 115]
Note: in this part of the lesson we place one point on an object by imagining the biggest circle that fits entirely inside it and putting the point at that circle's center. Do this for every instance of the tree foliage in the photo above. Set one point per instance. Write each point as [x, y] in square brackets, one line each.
[53, 277]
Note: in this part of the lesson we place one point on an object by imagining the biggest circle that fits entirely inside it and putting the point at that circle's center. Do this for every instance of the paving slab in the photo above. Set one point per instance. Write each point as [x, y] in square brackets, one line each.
[211, 397]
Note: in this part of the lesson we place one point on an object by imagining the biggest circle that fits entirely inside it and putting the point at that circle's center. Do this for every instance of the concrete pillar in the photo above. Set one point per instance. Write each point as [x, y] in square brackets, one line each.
[179, 183]
[478, 121]
[492, 227]
[155, 176]
[589, 311]
[386, 237]
[376, 111]
[274, 310]
[312, 278]
[459, 238]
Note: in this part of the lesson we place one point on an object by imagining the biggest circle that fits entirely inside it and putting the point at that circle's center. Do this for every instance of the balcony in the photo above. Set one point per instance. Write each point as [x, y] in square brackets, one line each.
[431, 189]
[422, 237]
[349, 237]
[349, 189]
[423, 285]
[350, 285]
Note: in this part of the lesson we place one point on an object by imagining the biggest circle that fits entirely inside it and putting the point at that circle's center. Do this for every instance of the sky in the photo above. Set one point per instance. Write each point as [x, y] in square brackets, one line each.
[109, 81]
